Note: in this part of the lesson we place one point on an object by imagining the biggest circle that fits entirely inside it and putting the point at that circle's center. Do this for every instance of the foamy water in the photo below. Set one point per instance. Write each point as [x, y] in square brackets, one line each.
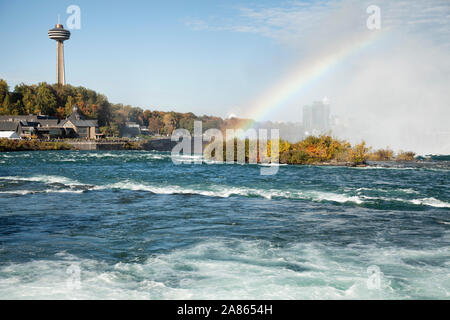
[132, 225]
[224, 191]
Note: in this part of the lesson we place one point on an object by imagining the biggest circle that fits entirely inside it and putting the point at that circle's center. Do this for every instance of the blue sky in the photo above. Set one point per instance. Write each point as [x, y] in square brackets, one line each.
[218, 57]
[142, 53]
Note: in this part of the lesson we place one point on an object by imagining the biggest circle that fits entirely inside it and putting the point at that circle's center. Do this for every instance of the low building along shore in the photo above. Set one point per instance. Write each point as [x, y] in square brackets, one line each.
[45, 127]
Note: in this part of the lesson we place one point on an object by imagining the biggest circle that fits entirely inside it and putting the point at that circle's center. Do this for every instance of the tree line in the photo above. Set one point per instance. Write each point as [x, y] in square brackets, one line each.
[58, 101]
[323, 149]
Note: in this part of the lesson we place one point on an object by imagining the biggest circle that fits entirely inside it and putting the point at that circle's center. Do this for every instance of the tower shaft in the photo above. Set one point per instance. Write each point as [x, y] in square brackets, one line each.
[59, 34]
[60, 72]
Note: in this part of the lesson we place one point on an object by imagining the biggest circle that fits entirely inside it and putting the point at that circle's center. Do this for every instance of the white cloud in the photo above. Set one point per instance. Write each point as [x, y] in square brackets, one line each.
[297, 19]
[396, 92]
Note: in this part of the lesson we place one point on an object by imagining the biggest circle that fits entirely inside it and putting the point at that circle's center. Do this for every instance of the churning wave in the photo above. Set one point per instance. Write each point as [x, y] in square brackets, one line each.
[43, 178]
[62, 184]
[53, 184]
[212, 191]
[231, 268]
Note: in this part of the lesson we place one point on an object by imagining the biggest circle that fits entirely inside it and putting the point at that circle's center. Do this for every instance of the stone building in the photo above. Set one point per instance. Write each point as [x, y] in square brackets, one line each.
[82, 127]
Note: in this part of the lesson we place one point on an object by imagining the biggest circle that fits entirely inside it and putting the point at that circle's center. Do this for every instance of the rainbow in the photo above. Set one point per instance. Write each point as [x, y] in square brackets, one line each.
[303, 75]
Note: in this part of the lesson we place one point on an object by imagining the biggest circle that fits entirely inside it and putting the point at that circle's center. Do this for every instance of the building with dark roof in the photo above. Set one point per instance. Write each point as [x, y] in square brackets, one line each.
[31, 118]
[24, 129]
[45, 127]
[9, 125]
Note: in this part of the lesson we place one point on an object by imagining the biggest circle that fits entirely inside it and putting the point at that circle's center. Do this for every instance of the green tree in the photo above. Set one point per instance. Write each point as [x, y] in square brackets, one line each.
[7, 107]
[68, 108]
[18, 107]
[187, 123]
[45, 100]
[4, 90]
[28, 98]
[136, 115]
[103, 111]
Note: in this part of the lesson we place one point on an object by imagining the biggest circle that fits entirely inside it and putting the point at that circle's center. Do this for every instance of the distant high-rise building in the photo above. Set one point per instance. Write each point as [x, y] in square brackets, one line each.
[59, 34]
[307, 118]
[316, 117]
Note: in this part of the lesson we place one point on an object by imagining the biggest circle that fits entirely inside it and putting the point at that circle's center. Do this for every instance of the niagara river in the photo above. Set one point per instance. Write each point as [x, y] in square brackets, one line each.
[133, 225]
